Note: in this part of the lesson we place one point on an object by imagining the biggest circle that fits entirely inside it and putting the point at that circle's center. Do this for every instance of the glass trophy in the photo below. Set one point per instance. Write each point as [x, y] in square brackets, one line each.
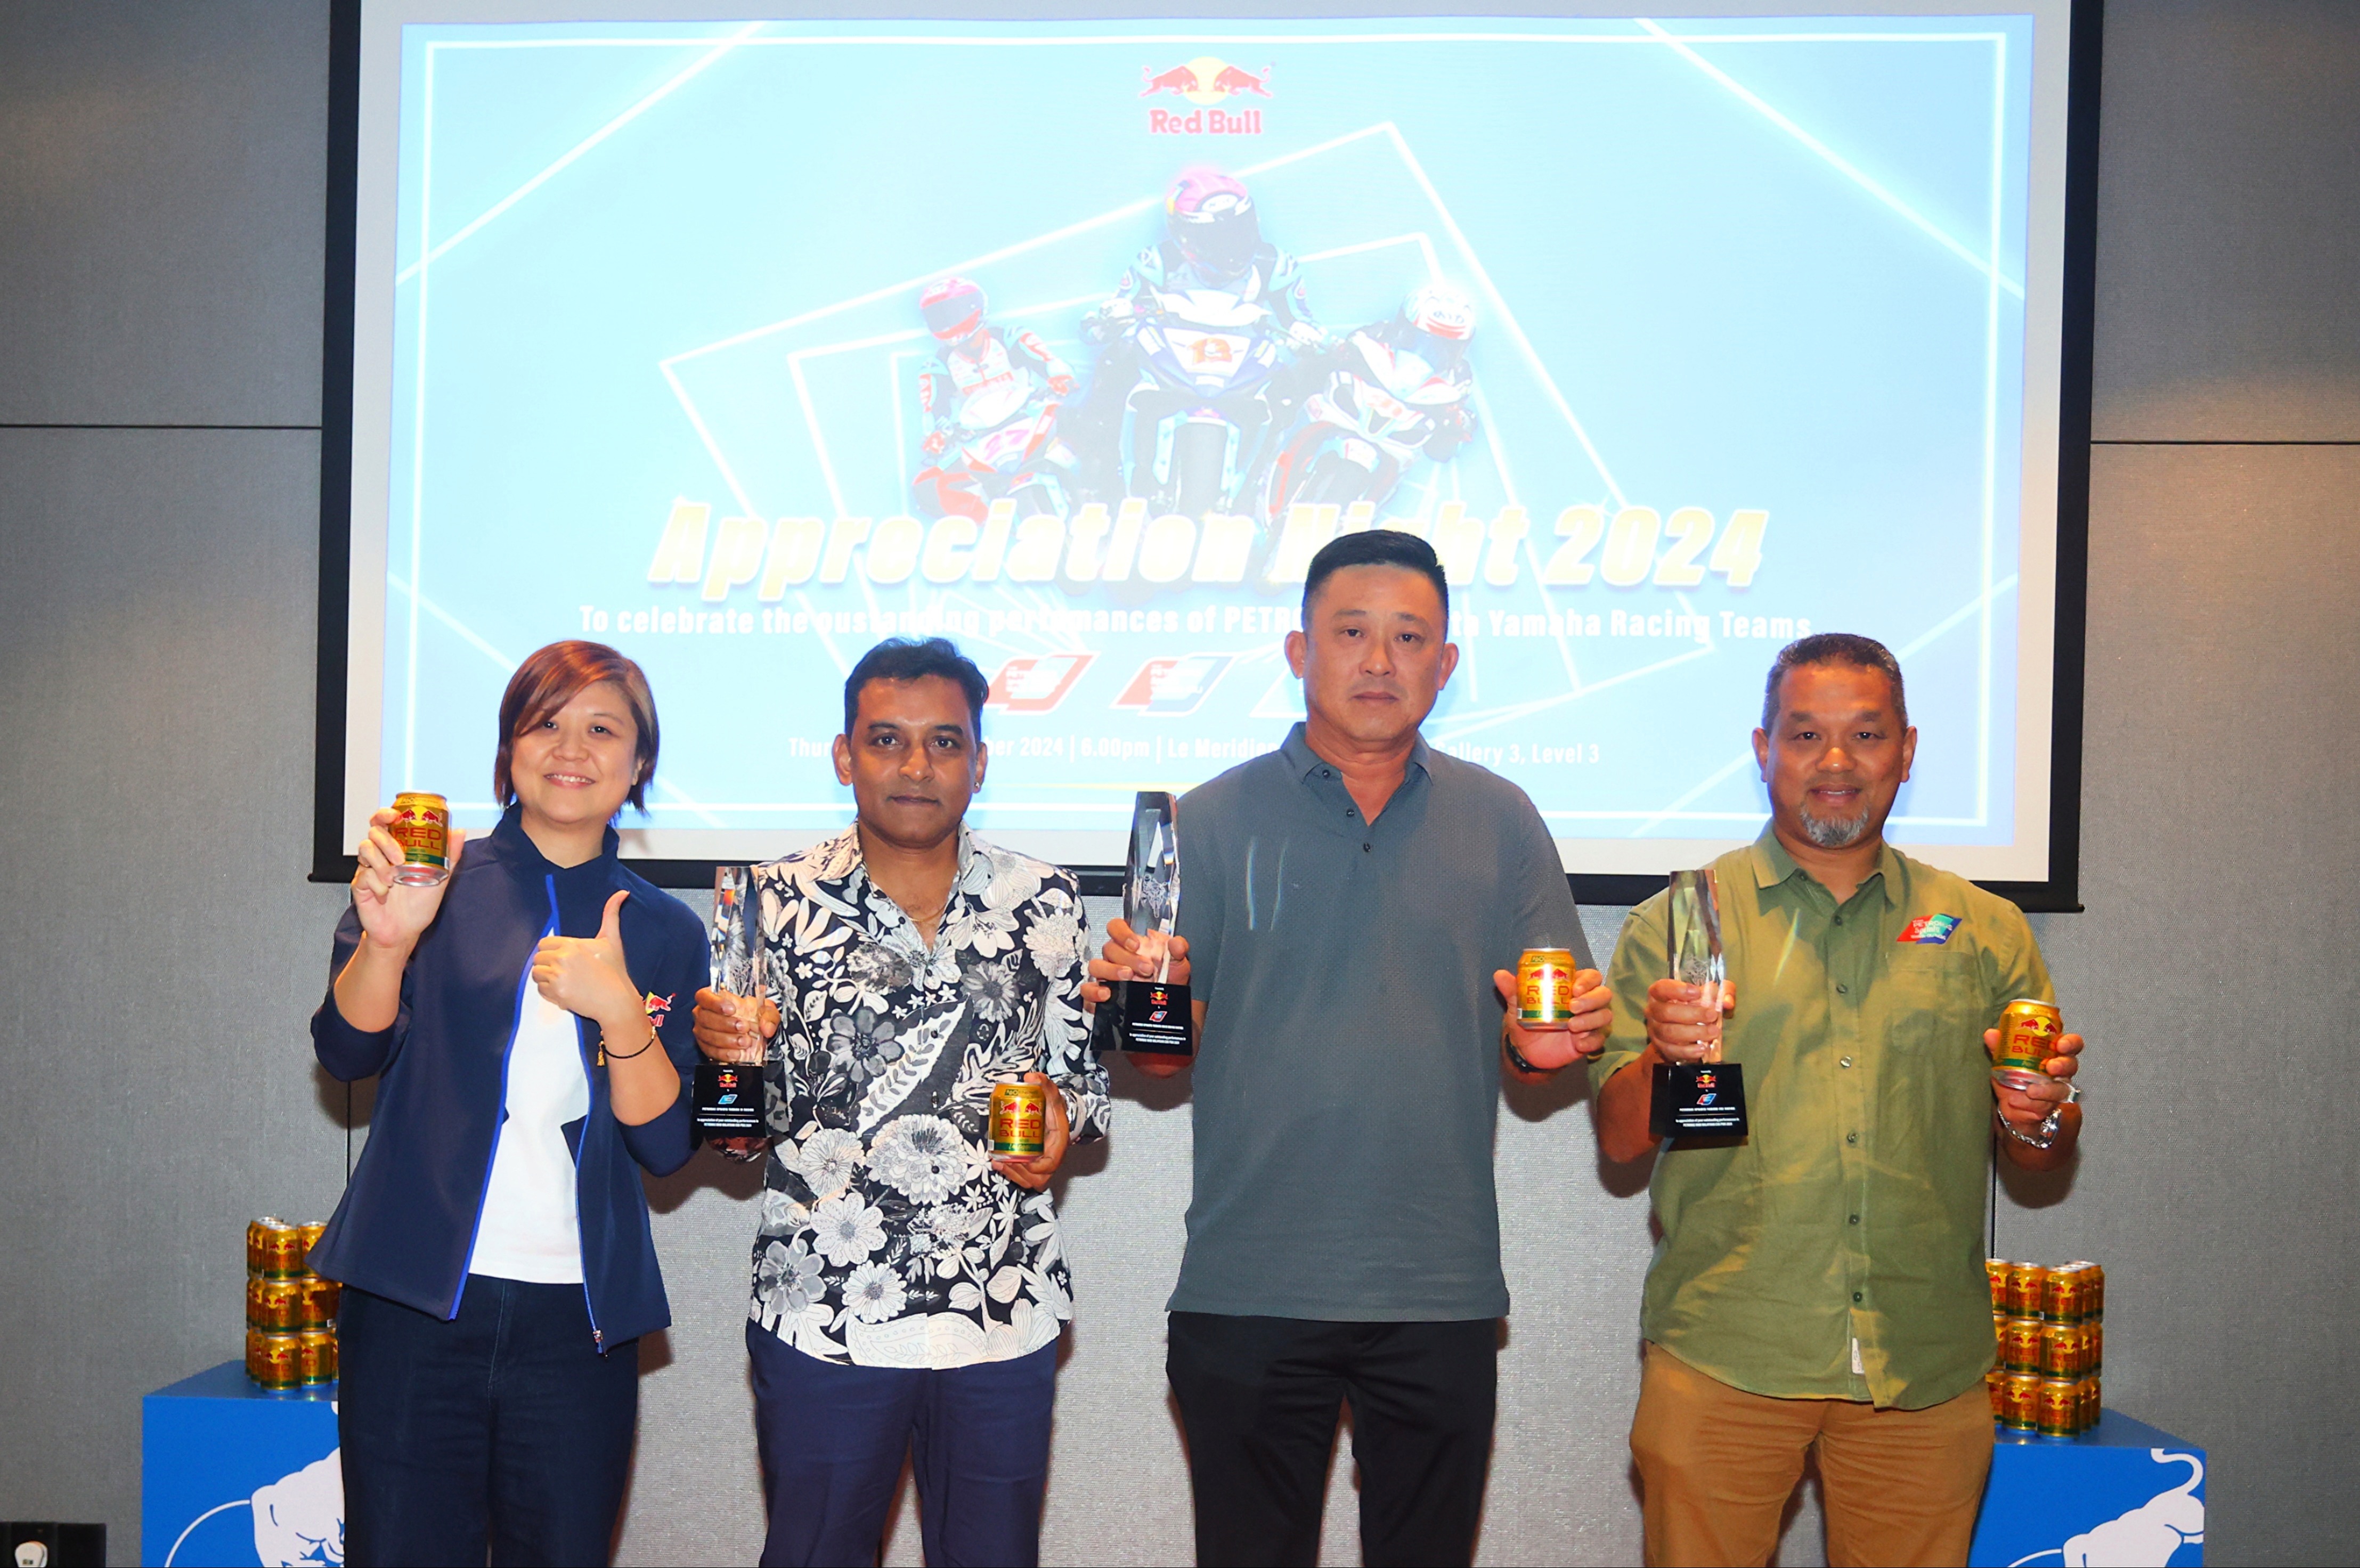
[1705, 1098]
[1150, 1015]
[728, 1095]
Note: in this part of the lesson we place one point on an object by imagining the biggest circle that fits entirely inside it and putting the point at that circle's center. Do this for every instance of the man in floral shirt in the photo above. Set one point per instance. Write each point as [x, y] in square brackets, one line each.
[907, 1286]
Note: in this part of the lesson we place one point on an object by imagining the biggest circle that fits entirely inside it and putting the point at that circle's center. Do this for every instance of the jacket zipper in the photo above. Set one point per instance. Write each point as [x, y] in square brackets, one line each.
[597, 1339]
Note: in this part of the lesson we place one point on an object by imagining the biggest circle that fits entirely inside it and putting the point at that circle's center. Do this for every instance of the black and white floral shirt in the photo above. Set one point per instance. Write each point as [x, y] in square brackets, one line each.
[887, 1238]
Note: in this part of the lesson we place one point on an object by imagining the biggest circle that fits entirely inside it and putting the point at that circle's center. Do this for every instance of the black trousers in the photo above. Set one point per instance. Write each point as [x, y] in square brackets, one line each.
[1259, 1399]
[503, 1428]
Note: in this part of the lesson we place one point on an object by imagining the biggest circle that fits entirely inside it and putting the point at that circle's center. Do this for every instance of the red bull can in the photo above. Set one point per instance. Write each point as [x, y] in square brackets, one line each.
[2019, 1345]
[1545, 987]
[2028, 1032]
[2063, 1295]
[275, 1248]
[2061, 1350]
[274, 1360]
[421, 825]
[1020, 1118]
[2020, 1410]
[275, 1306]
[2028, 1286]
[2060, 1413]
[2093, 1287]
[315, 1356]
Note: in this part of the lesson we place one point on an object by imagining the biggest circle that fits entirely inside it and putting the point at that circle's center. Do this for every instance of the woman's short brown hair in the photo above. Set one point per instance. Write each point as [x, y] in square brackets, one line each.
[555, 675]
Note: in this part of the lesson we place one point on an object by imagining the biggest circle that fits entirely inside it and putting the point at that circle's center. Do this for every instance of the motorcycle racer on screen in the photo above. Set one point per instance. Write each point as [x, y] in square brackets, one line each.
[1204, 337]
[1396, 390]
[990, 400]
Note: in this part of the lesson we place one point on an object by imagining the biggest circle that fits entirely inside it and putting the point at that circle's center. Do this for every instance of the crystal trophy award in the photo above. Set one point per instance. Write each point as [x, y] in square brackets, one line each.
[1150, 1015]
[1706, 1098]
[729, 1096]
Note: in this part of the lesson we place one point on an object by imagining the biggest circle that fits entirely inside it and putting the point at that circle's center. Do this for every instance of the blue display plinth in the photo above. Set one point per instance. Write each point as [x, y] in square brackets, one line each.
[231, 1472]
[2122, 1492]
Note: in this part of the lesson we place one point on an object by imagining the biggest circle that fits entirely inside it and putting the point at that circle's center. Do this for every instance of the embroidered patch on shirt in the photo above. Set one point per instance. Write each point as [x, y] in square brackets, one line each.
[1932, 931]
[659, 1007]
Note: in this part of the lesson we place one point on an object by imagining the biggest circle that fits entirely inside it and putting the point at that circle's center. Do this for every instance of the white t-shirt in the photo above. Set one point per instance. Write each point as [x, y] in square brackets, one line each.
[532, 1226]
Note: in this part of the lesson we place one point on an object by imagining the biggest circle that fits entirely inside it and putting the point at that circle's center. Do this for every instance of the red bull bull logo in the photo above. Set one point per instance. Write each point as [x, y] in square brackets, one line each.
[1208, 83]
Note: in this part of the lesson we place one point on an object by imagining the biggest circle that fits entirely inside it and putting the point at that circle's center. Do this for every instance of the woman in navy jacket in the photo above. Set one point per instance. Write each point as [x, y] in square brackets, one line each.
[530, 1022]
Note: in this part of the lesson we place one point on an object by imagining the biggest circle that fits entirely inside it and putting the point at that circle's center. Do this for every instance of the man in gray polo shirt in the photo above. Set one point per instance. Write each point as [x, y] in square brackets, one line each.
[1352, 907]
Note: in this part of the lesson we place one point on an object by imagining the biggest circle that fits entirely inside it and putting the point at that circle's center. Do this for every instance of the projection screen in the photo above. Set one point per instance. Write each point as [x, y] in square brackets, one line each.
[1679, 338]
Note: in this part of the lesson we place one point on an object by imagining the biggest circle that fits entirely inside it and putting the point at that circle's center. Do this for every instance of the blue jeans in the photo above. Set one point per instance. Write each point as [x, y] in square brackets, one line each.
[503, 1427]
[833, 1440]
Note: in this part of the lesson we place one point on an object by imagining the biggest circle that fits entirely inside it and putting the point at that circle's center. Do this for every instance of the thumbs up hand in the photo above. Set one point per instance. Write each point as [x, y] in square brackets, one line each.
[587, 975]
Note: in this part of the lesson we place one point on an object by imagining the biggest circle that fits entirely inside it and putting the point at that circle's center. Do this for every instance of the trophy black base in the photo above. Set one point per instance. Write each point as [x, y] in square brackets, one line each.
[1698, 1099]
[1155, 1018]
[728, 1099]
[1150, 1015]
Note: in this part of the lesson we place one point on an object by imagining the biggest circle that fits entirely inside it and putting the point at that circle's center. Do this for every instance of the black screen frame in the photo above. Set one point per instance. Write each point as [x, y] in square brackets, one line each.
[333, 861]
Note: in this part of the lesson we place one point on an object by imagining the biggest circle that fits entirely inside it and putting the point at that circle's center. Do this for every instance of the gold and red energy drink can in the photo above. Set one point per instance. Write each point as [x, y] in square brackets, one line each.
[279, 1253]
[1545, 987]
[2093, 1347]
[2062, 1294]
[421, 825]
[318, 1302]
[2093, 1287]
[2020, 1410]
[257, 1241]
[2093, 1403]
[1995, 1385]
[1996, 1270]
[310, 1231]
[315, 1356]
[275, 1306]
[1020, 1118]
[2060, 1411]
[274, 1360]
[2061, 1350]
[2019, 1345]
[2028, 1037]
[2028, 1287]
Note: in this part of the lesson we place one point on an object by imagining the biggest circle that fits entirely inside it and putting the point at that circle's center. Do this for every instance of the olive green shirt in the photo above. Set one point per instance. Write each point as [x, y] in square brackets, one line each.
[1837, 1251]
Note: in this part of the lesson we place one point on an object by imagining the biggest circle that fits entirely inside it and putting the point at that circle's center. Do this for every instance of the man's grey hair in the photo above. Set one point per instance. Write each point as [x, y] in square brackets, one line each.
[1833, 648]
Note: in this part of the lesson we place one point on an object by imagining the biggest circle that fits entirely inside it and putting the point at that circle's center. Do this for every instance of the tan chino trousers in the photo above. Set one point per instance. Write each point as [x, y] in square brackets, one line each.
[1717, 1465]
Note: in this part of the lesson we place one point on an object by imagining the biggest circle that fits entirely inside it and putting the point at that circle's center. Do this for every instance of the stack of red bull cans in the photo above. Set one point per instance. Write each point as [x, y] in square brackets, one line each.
[2050, 1325]
[290, 1313]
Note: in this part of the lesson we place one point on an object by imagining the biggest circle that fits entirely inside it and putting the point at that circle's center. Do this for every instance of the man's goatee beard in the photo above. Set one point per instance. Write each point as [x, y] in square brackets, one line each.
[1839, 832]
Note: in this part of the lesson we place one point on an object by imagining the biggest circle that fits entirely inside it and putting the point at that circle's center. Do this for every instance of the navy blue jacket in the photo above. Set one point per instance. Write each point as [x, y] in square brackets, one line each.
[407, 1224]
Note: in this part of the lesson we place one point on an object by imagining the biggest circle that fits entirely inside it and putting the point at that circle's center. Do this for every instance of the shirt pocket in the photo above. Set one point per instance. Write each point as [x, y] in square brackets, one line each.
[1934, 1003]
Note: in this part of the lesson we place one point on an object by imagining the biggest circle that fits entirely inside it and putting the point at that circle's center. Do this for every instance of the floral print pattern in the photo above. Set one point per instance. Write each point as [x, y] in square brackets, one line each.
[887, 1238]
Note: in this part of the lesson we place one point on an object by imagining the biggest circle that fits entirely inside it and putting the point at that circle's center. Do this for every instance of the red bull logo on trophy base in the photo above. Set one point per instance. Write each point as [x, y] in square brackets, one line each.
[1206, 82]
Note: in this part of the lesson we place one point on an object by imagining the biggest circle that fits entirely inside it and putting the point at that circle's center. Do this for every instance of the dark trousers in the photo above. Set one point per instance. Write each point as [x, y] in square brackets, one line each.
[833, 1439]
[1258, 1397]
[503, 1428]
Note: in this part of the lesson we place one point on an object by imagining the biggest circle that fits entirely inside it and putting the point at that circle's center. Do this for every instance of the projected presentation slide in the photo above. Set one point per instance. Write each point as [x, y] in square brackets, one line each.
[743, 344]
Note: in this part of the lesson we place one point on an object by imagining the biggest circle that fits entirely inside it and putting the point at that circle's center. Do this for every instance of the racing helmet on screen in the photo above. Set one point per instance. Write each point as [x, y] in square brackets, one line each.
[1212, 221]
[954, 309]
[1435, 323]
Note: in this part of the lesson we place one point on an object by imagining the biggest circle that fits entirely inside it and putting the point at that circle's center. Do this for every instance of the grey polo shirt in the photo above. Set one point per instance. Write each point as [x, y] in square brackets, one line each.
[1347, 1081]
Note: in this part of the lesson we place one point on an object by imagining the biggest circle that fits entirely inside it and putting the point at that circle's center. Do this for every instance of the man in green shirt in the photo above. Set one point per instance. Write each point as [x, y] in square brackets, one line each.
[1819, 1283]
